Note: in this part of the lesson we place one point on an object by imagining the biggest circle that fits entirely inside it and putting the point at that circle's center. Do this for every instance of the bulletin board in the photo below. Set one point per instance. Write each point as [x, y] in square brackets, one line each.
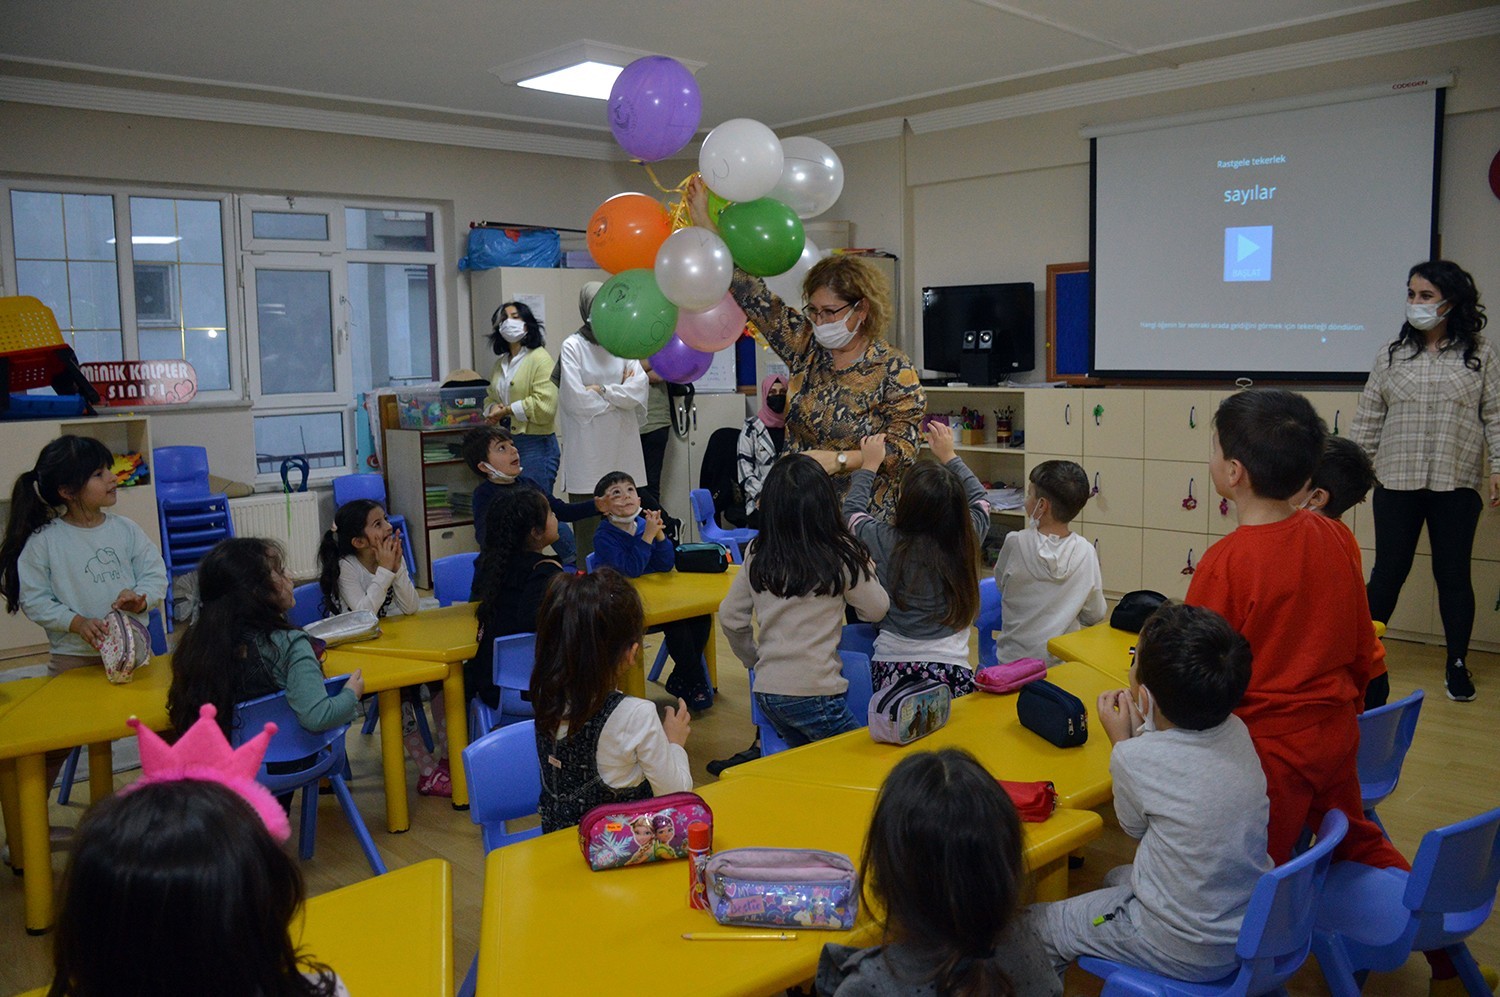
[1068, 293]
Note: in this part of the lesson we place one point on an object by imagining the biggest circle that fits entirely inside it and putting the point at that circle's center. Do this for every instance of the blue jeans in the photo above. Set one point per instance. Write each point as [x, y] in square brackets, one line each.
[540, 456]
[803, 719]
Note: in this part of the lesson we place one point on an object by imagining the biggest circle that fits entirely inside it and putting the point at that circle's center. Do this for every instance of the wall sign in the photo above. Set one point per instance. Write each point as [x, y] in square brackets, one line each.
[143, 382]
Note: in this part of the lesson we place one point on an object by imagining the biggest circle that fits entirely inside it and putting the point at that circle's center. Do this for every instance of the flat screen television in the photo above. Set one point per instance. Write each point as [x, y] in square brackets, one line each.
[979, 332]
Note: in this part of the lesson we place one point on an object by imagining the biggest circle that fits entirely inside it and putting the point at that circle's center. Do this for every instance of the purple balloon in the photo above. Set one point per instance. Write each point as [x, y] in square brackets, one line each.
[680, 363]
[654, 107]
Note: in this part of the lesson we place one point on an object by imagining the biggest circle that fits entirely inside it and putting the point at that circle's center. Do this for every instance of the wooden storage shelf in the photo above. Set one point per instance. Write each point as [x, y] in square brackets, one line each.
[408, 478]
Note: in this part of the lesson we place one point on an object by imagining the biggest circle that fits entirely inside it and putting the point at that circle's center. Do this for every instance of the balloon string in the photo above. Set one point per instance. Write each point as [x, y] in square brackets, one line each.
[678, 213]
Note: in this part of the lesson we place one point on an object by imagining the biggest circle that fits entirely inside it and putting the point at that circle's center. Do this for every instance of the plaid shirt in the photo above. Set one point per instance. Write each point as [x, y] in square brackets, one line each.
[1425, 419]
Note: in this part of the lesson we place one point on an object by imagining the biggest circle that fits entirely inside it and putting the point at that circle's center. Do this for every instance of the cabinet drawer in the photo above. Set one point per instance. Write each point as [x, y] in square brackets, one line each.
[1416, 609]
[1487, 602]
[1221, 516]
[1118, 501]
[1167, 486]
[1178, 425]
[445, 540]
[1166, 557]
[1119, 550]
[1053, 420]
[1114, 421]
[1336, 408]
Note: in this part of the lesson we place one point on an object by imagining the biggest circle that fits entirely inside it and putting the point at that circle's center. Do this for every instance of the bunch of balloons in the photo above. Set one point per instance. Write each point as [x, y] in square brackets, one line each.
[669, 297]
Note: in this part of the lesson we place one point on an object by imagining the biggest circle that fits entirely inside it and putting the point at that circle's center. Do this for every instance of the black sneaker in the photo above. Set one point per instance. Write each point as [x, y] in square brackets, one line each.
[750, 754]
[1459, 682]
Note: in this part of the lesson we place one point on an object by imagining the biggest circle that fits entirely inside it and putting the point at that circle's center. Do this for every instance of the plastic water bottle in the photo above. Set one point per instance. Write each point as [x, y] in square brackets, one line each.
[700, 847]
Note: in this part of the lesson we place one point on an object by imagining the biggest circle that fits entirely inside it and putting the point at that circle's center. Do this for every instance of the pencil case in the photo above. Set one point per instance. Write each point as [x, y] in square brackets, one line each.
[612, 835]
[783, 887]
[345, 628]
[1054, 713]
[126, 646]
[1034, 801]
[702, 558]
[909, 708]
[1008, 676]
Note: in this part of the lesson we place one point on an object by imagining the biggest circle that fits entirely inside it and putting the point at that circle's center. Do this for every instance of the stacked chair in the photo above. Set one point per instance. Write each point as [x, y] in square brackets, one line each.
[193, 519]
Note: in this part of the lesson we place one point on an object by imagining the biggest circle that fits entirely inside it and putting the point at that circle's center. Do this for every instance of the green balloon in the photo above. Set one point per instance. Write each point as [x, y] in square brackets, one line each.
[764, 236]
[631, 317]
[716, 206]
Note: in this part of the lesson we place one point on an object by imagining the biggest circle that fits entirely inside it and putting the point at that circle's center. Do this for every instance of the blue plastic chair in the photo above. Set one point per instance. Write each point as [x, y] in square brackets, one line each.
[1374, 919]
[709, 528]
[512, 661]
[294, 743]
[1385, 736]
[308, 607]
[988, 620]
[348, 487]
[453, 578]
[856, 670]
[505, 784]
[157, 630]
[192, 518]
[1274, 938]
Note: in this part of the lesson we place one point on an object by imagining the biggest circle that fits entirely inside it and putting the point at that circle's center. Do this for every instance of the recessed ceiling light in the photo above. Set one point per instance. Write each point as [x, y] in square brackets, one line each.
[580, 69]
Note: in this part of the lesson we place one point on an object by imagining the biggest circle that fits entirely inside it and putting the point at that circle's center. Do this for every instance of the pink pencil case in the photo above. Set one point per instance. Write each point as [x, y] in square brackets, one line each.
[1009, 676]
[783, 887]
[612, 835]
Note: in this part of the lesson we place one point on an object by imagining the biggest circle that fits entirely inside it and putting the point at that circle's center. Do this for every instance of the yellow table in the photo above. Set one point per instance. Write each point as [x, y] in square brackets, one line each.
[386, 676]
[77, 707]
[1100, 645]
[981, 723]
[543, 908]
[12, 693]
[449, 635]
[390, 935]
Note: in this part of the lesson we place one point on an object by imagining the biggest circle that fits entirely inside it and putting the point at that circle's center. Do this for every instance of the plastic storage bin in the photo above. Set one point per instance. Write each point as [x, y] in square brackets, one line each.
[440, 408]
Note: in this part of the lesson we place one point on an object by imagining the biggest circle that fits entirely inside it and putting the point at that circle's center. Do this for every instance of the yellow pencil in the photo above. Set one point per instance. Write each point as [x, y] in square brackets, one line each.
[740, 936]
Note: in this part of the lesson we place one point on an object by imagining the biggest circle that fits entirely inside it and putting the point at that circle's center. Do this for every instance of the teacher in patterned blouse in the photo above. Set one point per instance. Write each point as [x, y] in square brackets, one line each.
[847, 382]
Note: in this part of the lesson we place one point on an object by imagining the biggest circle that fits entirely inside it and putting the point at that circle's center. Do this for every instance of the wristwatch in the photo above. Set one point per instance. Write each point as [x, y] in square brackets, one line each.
[843, 460]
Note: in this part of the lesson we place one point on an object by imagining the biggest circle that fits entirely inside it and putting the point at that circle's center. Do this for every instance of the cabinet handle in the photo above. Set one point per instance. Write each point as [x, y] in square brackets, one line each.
[1190, 503]
[1336, 414]
[695, 416]
[1068, 414]
[1098, 414]
[1095, 490]
[1192, 417]
[1189, 569]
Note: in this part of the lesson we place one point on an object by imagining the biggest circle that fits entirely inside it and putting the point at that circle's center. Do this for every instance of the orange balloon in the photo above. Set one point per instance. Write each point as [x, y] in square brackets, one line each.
[626, 231]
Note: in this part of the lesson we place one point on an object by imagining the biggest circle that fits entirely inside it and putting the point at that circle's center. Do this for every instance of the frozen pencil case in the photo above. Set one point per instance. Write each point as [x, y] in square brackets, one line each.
[612, 835]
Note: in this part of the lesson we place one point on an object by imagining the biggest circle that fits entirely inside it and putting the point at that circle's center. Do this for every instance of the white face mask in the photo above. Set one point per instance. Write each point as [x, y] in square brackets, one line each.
[626, 522]
[497, 476]
[1423, 316]
[513, 330]
[1147, 712]
[835, 335]
[1033, 520]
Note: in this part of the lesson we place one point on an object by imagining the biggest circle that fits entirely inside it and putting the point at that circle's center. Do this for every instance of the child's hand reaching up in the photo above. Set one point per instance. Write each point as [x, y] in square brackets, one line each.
[1117, 715]
[654, 528]
[940, 438]
[872, 452]
[677, 723]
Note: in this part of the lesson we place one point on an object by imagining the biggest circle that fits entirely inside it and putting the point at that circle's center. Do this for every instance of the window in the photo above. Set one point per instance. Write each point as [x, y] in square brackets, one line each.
[339, 298]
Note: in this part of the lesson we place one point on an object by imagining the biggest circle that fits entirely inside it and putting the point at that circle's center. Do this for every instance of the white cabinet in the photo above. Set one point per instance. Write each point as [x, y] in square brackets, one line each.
[1119, 550]
[1115, 488]
[1178, 426]
[1114, 422]
[1416, 609]
[1168, 560]
[1177, 495]
[24, 441]
[430, 485]
[1053, 420]
[695, 420]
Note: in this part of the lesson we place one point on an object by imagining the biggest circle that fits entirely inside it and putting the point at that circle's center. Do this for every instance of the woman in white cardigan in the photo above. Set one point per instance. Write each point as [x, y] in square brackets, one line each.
[601, 405]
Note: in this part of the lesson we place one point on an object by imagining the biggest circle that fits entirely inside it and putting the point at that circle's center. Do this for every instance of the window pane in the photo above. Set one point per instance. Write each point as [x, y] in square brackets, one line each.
[392, 324]
[47, 281]
[294, 316]
[200, 223]
[208, 352]
[97, 346]
[289, 225]
[89, 223]
[318, 436]
[156, 295]
[202, 296]
[37, 222]
[153, 229]
[94, 290]
[373, 228]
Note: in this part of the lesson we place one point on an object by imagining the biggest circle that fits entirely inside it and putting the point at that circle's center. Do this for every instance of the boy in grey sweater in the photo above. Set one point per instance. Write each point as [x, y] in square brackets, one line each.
[1189, 785]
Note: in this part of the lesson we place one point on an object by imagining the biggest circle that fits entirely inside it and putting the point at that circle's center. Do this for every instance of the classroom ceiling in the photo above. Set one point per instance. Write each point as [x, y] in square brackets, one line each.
[803, 66]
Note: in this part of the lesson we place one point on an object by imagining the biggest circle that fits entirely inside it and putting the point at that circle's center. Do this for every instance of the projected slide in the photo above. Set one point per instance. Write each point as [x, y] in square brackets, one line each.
[1266, 243]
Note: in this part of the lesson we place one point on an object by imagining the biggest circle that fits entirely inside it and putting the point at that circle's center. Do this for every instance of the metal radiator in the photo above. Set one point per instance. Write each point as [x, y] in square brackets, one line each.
[290, 519]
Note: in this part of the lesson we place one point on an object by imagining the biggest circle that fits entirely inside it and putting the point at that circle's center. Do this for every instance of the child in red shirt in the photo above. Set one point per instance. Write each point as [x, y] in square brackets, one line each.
[1290, 581]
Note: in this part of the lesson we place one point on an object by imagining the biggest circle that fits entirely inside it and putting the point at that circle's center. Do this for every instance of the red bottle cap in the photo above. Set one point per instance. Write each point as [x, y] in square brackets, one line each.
[700, 836]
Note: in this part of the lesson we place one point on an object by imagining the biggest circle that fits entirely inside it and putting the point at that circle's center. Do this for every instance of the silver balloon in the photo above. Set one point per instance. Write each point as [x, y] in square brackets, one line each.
[693, 268]
[788, 286]
[812, 177]
[740, 160]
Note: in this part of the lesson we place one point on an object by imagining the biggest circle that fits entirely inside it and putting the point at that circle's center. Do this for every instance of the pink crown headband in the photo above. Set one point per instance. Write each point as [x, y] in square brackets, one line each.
[203, 753]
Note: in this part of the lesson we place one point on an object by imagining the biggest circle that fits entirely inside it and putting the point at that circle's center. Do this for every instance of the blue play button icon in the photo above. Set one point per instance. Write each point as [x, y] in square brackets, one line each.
[1247, 253]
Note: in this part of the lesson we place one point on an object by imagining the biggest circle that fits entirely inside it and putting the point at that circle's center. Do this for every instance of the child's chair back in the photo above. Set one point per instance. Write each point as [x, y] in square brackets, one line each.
[1385, 735]
[505, 782]
[308, 606]
[453, 577]
[988, 620]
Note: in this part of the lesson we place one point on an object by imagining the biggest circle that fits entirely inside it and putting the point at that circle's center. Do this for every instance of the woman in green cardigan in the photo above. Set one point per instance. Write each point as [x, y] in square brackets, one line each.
[523, 397]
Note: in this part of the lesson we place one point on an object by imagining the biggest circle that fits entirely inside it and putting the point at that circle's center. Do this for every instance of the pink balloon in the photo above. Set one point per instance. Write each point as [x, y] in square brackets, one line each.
[680, 363]
[713, 329]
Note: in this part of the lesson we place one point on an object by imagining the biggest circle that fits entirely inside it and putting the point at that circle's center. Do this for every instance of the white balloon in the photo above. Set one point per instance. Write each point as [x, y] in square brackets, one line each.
[741, 160]
[788, 286]
[693, 268]
[812, 177]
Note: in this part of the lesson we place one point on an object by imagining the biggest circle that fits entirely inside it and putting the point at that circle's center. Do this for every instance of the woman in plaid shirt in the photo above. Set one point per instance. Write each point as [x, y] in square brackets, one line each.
[1429, 408]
